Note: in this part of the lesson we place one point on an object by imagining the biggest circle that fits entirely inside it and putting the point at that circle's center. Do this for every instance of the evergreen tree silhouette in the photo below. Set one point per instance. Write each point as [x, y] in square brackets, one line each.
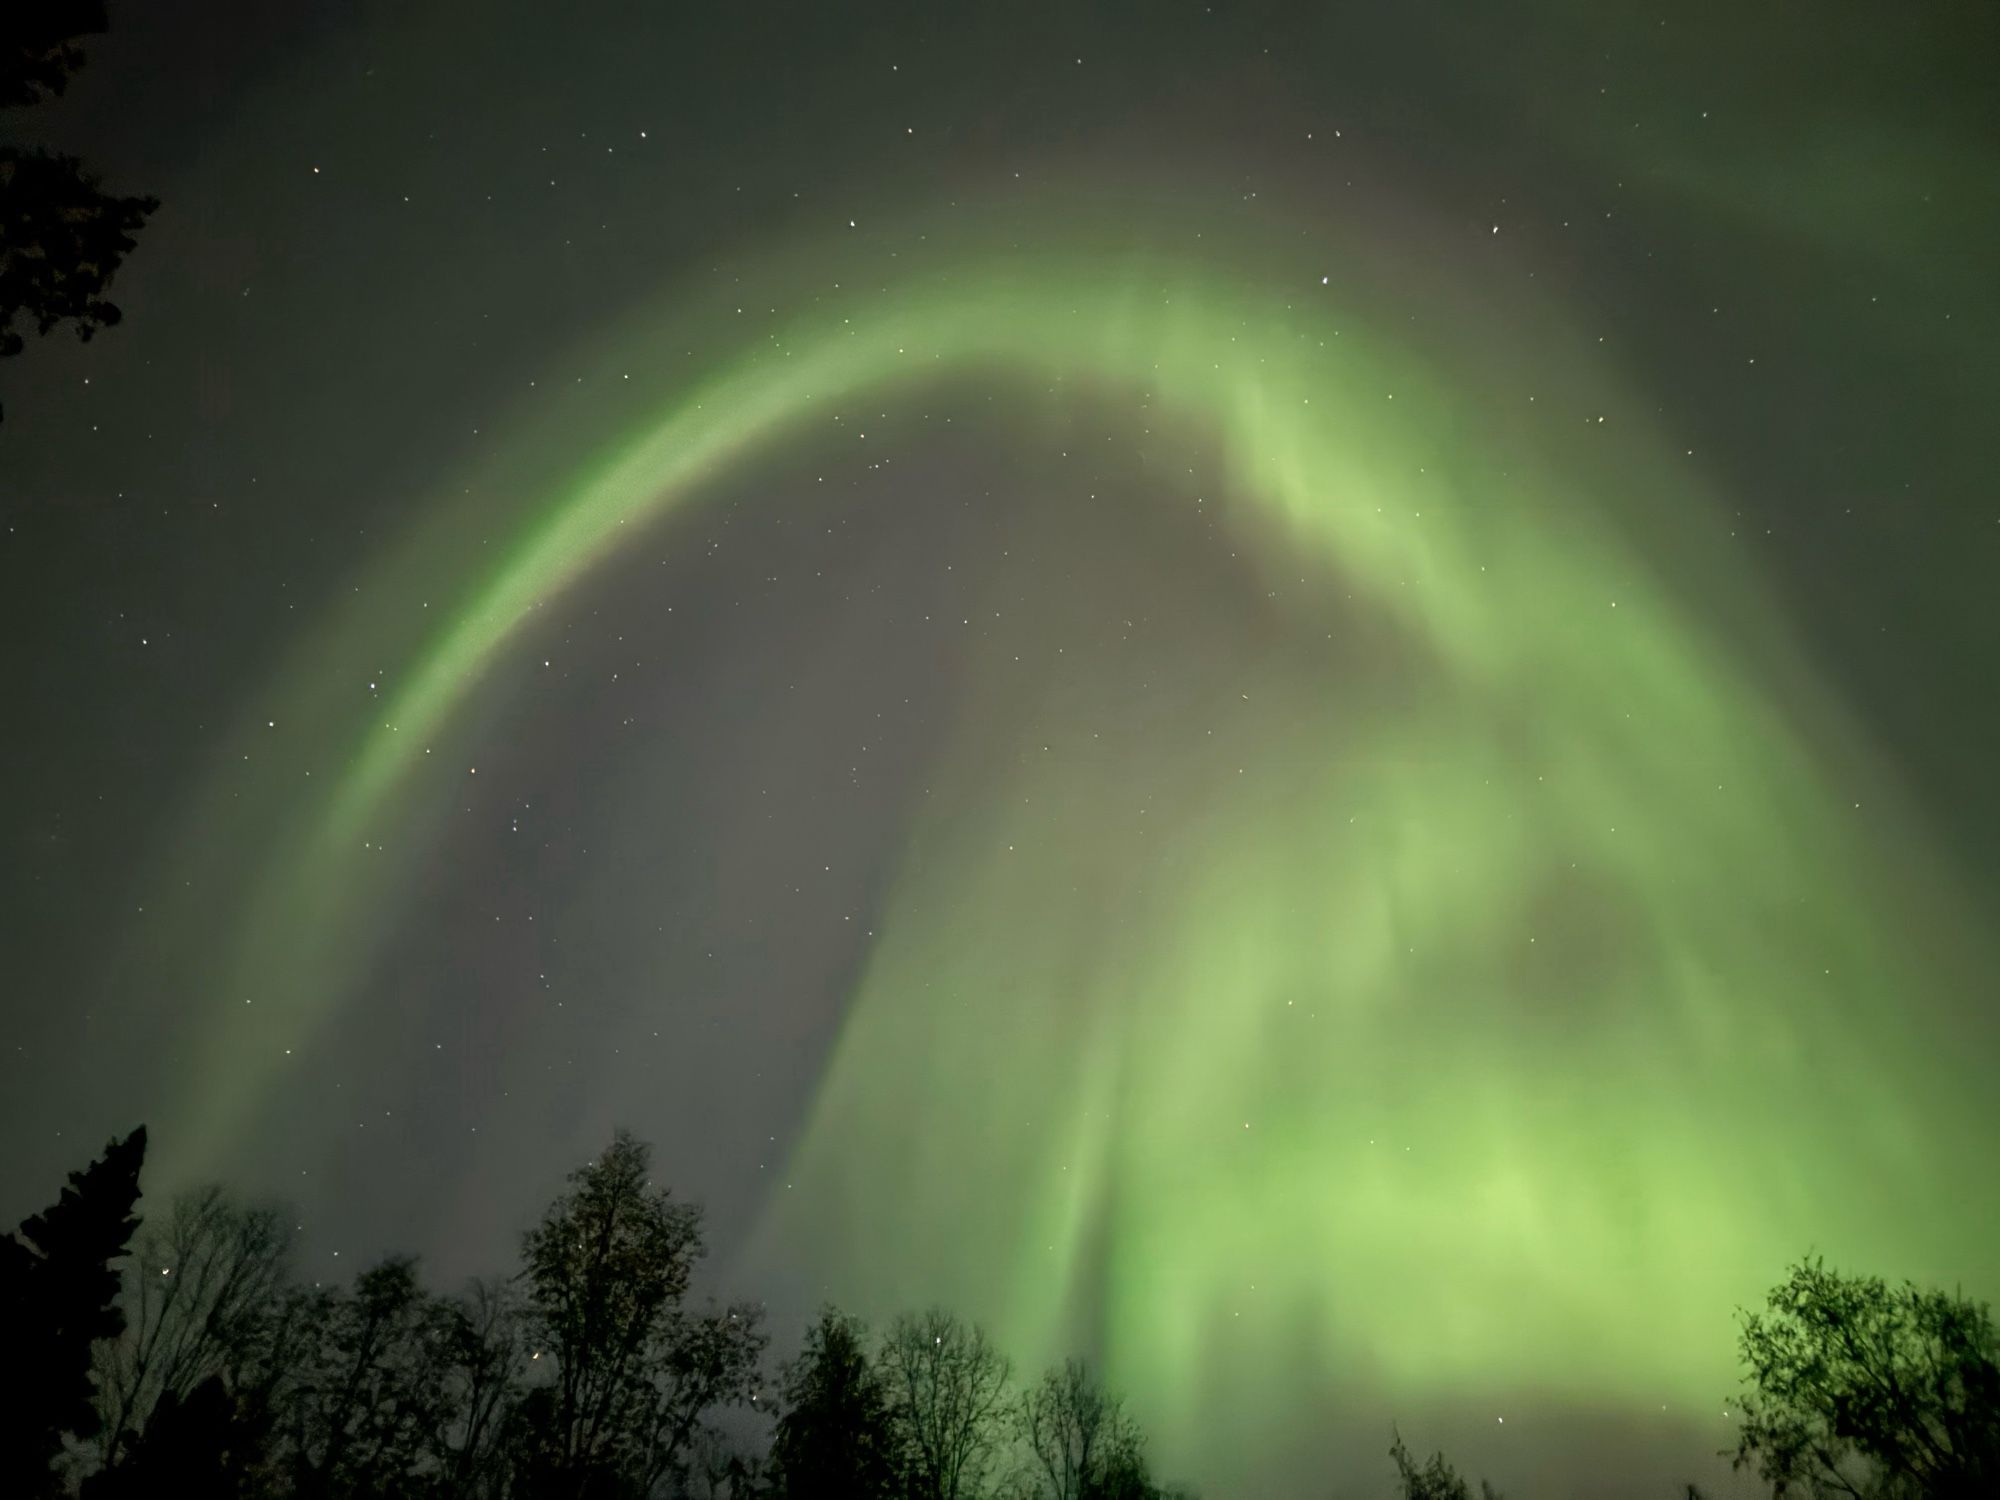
[58, 1297]
[835, 1438]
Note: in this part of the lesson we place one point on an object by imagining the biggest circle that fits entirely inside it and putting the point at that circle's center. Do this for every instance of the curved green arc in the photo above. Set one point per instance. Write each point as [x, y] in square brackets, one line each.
[1064, 323]
[727, 416]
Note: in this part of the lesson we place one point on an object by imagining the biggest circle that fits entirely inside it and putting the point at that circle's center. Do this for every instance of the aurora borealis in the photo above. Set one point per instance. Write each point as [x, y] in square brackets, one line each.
[1223, 769]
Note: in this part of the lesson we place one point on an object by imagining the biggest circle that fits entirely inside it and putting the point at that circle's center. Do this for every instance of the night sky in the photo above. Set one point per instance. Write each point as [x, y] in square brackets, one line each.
[1301, 696]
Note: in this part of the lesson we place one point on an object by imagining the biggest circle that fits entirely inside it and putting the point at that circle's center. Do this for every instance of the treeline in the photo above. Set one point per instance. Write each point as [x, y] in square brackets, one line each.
[182, 1358]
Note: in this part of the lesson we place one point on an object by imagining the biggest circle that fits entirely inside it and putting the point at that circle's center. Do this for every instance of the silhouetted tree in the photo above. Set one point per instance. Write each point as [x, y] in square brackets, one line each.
[700, 1361]
[482, 1349]
[1436, 1480]
[1855, 1388]
[58, 1297]
[199, 1298]
[835, 1439]
[1083, 1446]
[586, 1377]
[365, 1396]
[947, 1388]
[719, 1469]
[39, 50]
[630, 1371]
[208, 1442]
[61, 238]
[1124, 1475]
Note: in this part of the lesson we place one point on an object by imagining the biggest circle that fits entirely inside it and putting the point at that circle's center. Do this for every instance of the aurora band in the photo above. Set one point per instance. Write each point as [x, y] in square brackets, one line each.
[1506, 1025]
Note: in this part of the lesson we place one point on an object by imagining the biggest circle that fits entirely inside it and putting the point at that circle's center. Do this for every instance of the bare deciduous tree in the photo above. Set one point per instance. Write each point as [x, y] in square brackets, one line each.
[947, 1388]
[483, 1348]
[366, 1395]
[697, 1362]
[1081, 1444]
[198, 1300]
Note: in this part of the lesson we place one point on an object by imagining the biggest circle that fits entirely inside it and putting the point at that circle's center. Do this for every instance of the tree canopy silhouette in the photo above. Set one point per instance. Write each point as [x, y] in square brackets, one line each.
[1083, 1445]
[632, 1370]
[209, 1442]
[1435, 1480]
[1874, 1392]
[199, 1367]
[59, 1297]
[62, 238]
[201, 1304]
[948, 1395]
[836, 1438]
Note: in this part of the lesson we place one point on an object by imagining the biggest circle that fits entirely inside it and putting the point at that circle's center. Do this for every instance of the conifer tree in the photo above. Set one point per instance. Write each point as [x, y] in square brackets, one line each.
[58, 1297]
[836, 1437]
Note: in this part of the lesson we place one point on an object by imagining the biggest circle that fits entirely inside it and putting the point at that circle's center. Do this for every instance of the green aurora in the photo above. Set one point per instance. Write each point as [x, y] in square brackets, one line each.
[1490, 1001]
